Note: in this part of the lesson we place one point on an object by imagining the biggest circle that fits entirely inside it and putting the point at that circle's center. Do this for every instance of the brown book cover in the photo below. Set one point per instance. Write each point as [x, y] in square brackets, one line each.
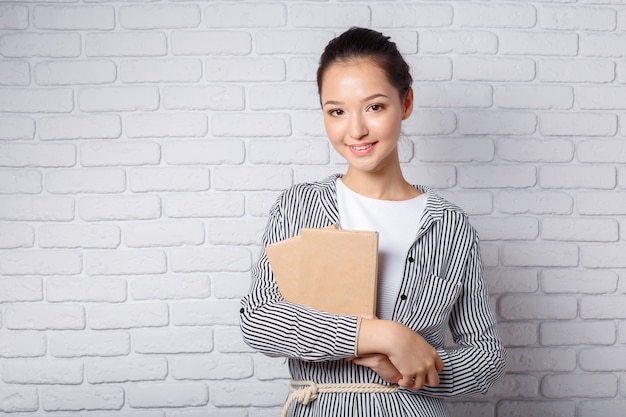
[328, 269]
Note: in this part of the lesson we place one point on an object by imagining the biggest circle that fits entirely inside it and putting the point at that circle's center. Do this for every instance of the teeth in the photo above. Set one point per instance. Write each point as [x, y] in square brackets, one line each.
[362, 147]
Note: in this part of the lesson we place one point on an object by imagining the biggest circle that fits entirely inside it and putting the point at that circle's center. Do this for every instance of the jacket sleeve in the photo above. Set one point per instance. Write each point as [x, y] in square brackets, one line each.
[478, 359]
[275, 327]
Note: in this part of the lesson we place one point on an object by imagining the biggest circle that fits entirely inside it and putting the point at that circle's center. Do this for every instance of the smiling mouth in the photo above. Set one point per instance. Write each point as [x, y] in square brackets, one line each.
[361, 147]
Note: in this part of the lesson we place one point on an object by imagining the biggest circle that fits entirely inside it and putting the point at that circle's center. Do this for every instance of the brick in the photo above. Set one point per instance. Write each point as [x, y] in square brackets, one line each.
[79, 236]
[164, 233]
[329, 16]
[575, 177]
[127, 316]
[430, 68]
[36, 208]
[42, 317]
[14, 235]
[13, 17]
[502, 176]
[604, 150]
[205, 313]
[22, 345]
[602, 359]
[434, 176]
[170, 287]
[14, 290]
[118, 99]
[80, 127]
[302, 68]
[245, 178]
[133, 369]
[578, 281]
[210, 259]
[577, 18]
[299, 42]
[536, 150]
[459, 41]
[602, 307]
[14, 127]
[577, 333]
[92, 180]
[540, 254]
[534, 97]
[18, 399]
[575, 70]
[204, 205]
[473, 202]
[511, 281]
[173, 341]
[580, 230]
[125, 44]
[578, 124]
[245, 69]
[283, 97]
[594, 98]
[228, 339]
[495, 15]
[22, 100]
[161, 70]
[541, 360]
[602, 45]
[251, 124]
[606, 408]
[236, 232]
[123, 153]
[411, 15]
[82, 398]
[74, 17]
[122, 207]
[538, 43]
[205, 43]
[169, 179]
[80, 344]
[212, 367]
[42, 371]
[601, 202]
[536, 408]
[430, 122]
[497, 123]
[168, 394]
[312, 173]
[159, 16]
[518, 333]
[458, 150]
[288, 151]
[125, 262]
[40, 262]
[537, 307]
[231, 285]
[245, 15]
[453, 95]
[14, 72]
[111, 290]
[308, 123]
[93, 71]
[195, 97]
[29, 45]
[471, 409]
[20, 182]
[268, 368]
[166, 125]
[506, 228]
[203, 152]
[249, 394]
[486, 68]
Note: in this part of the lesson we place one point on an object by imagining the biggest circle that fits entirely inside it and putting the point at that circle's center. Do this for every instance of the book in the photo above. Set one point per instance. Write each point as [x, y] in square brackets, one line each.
[328, 269]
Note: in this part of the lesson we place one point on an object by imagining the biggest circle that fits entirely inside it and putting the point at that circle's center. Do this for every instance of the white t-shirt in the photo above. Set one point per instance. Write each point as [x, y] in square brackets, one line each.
[396, 222]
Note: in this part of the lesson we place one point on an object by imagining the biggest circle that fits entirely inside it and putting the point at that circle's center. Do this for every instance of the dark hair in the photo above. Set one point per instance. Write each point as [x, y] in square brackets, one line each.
[357, 43]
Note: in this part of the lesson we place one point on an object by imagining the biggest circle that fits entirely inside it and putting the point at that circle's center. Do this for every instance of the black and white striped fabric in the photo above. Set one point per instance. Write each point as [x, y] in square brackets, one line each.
[443, 286]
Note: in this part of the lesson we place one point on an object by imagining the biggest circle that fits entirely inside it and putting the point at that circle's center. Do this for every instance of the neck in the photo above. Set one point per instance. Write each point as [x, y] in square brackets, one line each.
[389, 185]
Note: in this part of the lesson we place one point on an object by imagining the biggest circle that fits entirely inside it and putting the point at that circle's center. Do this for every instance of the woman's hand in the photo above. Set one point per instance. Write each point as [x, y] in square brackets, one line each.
[380, 364]
[417, 362]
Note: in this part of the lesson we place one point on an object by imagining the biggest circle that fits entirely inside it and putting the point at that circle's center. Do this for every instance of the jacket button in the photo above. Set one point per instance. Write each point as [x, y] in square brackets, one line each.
[403, 297]
[241, 310]
[411, 259]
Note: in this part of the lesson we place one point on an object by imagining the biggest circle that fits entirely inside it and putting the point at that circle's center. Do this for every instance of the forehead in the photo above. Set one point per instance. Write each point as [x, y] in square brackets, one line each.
[353, 76]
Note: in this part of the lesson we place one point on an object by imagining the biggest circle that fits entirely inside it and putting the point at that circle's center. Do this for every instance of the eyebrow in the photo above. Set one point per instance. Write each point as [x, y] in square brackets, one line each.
[373, 96]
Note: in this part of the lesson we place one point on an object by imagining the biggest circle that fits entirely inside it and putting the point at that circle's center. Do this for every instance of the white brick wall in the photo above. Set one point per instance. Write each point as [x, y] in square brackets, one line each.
[142, 144]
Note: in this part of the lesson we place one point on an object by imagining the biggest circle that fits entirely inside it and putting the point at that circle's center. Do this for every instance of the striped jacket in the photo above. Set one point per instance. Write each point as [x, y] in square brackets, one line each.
[443, 287]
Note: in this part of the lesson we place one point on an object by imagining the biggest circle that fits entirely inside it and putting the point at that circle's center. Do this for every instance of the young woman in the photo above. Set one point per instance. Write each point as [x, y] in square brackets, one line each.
[431, 275]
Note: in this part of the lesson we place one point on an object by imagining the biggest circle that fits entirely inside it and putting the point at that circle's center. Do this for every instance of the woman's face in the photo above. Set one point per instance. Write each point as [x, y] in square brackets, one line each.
[363, 114]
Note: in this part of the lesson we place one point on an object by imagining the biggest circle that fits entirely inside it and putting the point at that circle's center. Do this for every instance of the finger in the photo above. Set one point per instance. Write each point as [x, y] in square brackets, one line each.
[432, 379]
[439, 364]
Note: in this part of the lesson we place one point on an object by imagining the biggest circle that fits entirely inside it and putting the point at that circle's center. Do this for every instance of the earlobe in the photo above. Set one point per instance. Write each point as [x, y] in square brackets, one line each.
[408, 104]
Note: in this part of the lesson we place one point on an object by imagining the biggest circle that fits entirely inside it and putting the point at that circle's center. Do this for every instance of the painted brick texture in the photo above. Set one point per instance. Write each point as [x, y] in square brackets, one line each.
[143, 143]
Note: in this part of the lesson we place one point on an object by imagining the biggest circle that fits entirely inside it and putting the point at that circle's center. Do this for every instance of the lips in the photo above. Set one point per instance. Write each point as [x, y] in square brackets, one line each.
[362, 149]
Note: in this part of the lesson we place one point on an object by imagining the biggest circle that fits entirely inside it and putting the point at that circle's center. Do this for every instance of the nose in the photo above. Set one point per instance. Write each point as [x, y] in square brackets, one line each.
[358, 128]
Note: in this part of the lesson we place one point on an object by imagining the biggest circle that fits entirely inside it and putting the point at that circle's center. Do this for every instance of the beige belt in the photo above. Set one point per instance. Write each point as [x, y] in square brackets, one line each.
[307, 391]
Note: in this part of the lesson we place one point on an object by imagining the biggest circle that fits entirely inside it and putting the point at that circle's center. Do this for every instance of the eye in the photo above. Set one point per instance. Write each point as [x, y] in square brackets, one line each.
[376, 107]
[335, 112]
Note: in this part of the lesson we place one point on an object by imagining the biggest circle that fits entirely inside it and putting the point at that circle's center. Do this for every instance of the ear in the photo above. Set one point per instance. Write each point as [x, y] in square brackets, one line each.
[408, 104]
